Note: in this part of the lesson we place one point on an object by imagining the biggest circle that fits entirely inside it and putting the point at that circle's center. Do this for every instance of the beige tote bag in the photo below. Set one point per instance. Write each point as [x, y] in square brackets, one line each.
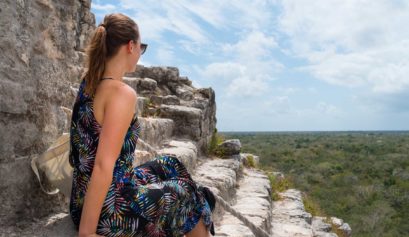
[54, 166]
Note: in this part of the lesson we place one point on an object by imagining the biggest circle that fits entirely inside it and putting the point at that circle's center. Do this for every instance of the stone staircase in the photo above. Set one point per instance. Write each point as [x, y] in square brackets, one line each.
[253, 201]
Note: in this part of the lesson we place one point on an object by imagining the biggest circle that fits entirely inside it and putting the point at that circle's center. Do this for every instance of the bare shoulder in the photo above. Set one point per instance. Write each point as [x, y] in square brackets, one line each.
[124, 91]
[114, 100]
[119, 92]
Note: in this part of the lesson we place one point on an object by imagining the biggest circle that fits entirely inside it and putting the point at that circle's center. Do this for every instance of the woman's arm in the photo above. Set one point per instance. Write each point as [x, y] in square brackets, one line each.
[118, 114]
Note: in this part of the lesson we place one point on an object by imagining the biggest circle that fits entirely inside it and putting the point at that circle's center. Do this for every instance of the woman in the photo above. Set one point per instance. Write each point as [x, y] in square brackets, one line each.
[110, 197]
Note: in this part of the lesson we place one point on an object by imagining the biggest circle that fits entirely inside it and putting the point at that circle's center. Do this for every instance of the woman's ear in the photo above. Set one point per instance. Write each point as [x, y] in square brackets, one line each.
[130, 46]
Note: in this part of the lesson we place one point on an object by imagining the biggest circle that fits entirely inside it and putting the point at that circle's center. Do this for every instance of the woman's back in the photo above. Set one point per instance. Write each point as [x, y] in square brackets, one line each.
[85, 131]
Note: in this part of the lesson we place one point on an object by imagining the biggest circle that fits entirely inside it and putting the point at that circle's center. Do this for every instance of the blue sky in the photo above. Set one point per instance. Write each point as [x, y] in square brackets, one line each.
[291, 65]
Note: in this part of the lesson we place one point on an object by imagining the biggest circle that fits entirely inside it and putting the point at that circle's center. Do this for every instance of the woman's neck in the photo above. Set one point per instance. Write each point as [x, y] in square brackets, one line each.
[114, 70]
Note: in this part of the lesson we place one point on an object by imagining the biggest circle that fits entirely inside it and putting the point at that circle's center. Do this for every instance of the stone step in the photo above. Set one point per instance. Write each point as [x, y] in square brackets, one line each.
[290, 217]
[155, 131]
[141, 105]
[184, 150]
[253, 200]
[143, 86]
[187, 120]
[220, 175]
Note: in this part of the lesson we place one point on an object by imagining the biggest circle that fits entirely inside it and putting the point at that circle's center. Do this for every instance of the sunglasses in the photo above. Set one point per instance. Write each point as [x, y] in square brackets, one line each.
[143, 48]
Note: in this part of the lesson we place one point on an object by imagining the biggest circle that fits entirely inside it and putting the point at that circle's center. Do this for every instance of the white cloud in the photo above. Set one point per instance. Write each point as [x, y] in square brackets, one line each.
[249, 67]
[223, 70]
[185, 18]
[351, 43]
[256, 45]
[246, 86]
[208, 11]
[235, 79]
[288, 90]
[103, 7]
[156, 18]
[257, 15]
[166, 55]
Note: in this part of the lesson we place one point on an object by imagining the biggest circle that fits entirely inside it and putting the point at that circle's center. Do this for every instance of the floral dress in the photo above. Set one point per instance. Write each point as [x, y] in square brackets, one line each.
[157, 198]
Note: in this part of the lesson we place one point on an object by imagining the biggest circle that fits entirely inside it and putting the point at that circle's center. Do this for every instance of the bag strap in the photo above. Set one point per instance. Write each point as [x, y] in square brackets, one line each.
[55, 151]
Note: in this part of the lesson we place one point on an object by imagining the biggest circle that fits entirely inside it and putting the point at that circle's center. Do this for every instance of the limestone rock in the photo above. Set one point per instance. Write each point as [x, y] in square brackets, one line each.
[184, 92]
[188, 120]
[253, 201]
[42, 44]
[141, 105]
[132, 82]
[185, 80]
[185, 151]
[175, 90]
[231, 227]
[289, 216]
[249, 160]
[229, 147]
[160, 74]
[346, 229]
[337, 221]
[319, 224]
[148, 84]
[220, 175]
[167, 100]
[341, 225]
[171, 100]
[155, 131]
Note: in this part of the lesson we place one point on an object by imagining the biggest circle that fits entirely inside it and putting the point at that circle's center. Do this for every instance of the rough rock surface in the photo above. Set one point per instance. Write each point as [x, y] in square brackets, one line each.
[249, 159]
[41, 43]
[341, 225]
[290, 217]
[229, 147]
[321, 228]
[253, 200]
[173, 96]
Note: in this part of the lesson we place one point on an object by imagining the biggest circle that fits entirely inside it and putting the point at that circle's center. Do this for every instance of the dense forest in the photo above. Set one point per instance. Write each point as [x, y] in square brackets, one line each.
[361, 177]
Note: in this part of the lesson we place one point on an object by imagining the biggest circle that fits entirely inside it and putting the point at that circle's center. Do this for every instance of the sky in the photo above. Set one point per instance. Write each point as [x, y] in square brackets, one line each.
[291, 65]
